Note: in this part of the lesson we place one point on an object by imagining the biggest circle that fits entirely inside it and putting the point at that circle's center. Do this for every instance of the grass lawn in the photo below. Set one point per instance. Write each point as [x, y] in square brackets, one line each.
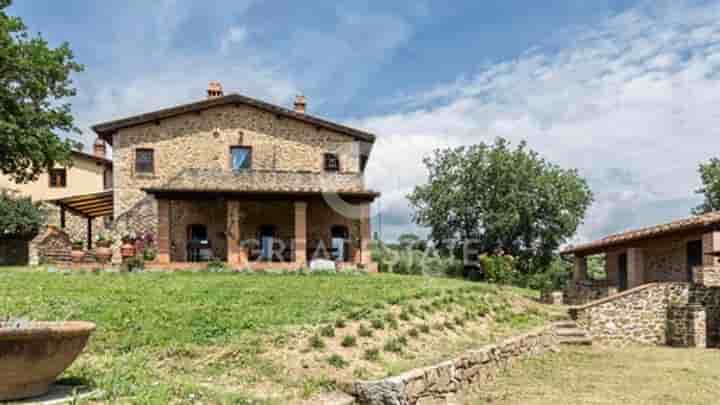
[229, 338]
[632, 376]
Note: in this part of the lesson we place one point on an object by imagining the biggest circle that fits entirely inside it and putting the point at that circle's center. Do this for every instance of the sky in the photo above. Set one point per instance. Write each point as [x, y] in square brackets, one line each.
[627, 92]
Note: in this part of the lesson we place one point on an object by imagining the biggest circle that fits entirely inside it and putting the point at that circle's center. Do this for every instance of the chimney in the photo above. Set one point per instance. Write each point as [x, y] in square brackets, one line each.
[214, 89]
[300, 104]
[99, 149]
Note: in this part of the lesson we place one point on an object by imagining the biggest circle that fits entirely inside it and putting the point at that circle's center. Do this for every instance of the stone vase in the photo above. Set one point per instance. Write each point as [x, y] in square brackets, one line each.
[32, 357]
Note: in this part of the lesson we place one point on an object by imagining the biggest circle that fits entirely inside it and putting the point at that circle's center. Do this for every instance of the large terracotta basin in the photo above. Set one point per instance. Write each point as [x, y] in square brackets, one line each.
[32, 358]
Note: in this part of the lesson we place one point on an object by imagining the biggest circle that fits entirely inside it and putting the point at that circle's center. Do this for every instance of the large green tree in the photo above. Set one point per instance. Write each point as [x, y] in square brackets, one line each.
[500, 197]
[710, 177]
[34, 87]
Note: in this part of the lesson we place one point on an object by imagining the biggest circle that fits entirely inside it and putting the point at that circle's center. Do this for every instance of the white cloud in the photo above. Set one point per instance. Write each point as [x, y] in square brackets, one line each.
[631, 102]
[234, 35]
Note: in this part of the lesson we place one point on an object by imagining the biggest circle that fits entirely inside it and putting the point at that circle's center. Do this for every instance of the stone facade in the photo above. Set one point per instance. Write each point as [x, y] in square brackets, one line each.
[51, 246]
[642, 315]
[708, 276]
[444, 379]
[192, 154]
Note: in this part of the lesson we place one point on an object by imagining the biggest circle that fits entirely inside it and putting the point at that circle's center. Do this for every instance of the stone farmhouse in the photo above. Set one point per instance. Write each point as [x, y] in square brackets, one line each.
[239, 180]
[661, 285]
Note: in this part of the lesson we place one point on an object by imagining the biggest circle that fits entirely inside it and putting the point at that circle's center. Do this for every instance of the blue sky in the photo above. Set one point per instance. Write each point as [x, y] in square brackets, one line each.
[625, 91]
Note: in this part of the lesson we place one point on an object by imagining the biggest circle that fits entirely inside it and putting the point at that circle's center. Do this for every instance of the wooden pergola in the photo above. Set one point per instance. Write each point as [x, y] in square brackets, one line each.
[89, 206]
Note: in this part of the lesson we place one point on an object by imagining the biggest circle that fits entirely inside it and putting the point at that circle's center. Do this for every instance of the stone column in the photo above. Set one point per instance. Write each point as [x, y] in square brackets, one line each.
[697, 326]
[235, 255]
[711, 243]
[580, 269]
[301, 233]
[636, 267]
[163, 232]
[365, 235]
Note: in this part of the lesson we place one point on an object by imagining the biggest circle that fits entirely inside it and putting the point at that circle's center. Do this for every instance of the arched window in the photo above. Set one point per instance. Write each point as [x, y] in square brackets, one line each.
[338, 237]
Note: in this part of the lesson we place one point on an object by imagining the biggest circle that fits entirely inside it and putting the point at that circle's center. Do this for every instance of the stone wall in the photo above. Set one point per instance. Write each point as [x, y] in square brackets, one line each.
[642, 314]
[708, 276]
[582, 292]
[439, 381]
[687, 326]
[52, 245]
[286, 153]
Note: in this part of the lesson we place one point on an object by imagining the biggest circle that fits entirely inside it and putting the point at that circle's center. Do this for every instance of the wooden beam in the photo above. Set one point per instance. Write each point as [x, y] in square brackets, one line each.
[103, 200]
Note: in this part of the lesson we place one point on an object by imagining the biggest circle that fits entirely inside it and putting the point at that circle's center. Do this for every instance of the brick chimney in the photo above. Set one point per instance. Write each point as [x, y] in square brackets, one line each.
[215, 89]
[99, 149]
[300, 104]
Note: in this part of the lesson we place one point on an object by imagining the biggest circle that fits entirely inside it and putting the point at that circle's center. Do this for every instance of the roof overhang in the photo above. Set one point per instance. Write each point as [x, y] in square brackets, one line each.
[194, 194]
[92, 205]
[106, 130]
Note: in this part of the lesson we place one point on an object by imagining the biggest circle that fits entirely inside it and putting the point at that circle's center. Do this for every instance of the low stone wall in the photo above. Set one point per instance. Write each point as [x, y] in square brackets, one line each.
[438, 381]
[579, 293]
[687, 326]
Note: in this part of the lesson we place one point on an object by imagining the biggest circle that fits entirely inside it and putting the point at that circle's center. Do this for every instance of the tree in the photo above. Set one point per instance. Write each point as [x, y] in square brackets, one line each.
[409, 241]
[19, 217]
[710, 177]
[35, 84]
[500, 198]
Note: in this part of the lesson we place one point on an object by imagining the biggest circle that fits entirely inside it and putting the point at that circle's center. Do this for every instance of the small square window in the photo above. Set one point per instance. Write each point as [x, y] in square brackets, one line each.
[332, 163]
[240, 158]
[144, 161]
[58, 178]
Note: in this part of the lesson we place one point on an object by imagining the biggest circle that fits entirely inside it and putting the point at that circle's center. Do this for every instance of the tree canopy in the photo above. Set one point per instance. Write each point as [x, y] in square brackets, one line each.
[35, 84]
[710, 177]
[499, 197]
[19, 216]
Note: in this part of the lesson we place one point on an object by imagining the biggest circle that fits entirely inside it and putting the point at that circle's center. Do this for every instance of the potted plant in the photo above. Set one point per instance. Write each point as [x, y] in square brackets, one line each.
[103, 252]
[35, 353]
[127, 249]
[78, 251]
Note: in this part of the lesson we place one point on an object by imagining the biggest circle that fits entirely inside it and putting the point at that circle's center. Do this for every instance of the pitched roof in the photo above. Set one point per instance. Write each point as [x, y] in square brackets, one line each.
[106, 129]
[98, 159]
[681, 225]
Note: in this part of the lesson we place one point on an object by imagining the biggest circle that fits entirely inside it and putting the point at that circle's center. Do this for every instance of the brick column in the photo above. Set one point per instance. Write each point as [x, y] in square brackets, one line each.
[235, 254]
[163, 233]
[365, 235]
[710, 243]
[580, 269]
[636, 267]
[301, 233]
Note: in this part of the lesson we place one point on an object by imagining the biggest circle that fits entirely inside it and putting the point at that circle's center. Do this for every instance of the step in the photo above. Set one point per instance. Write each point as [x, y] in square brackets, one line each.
[565, 325]
[575, 341]
[577, 332]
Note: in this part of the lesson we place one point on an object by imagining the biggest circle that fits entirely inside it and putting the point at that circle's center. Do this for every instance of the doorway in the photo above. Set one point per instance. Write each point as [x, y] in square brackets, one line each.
[622, 272]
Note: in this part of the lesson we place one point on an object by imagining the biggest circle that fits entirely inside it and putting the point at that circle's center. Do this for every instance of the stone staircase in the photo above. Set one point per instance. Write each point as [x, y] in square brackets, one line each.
[569, 333]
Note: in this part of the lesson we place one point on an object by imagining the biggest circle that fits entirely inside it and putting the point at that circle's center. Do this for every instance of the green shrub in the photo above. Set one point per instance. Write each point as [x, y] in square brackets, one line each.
[393, 324]
[498, 269]
[459, 321]
[349, 341]
[364, 331]
[340, 323]
[393, 345]
[413, 333]
[316, 342]
[371, 355]
[377, 323]
[404, 316]
[328, 331]
[449, 325]
[424, 328]
[337, 361]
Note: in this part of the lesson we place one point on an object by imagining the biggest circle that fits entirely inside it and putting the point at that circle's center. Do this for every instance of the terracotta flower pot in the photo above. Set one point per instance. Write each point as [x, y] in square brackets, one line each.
[32, 358]
[77, 255]
[127, 250]
[103, 253]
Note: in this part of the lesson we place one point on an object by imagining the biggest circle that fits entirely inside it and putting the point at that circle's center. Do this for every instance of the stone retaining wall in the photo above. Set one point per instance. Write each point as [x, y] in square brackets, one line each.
[439, 381]
[687, 326]
[642, 315]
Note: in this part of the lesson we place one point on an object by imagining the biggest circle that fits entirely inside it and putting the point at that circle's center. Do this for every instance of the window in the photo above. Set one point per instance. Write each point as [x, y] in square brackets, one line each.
[363, 162]
[58, 177]
[240, 157]
[144, 161]
[332, 163]
[107, 179]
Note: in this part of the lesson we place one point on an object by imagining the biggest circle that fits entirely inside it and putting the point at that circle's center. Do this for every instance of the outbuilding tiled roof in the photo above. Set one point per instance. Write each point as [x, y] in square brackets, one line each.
[681, 225]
